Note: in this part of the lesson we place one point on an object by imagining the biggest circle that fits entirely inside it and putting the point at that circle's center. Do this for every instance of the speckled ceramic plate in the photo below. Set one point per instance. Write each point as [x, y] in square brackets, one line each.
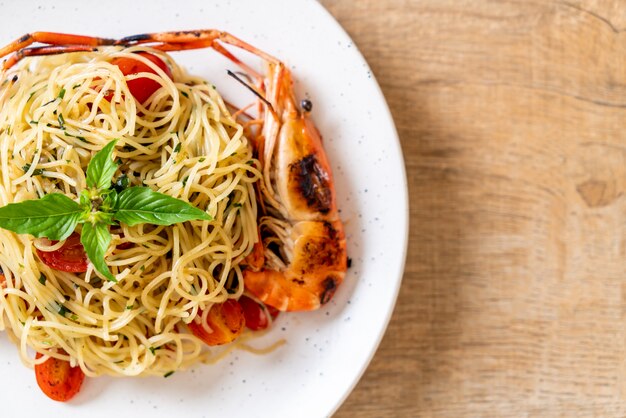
[326, 350]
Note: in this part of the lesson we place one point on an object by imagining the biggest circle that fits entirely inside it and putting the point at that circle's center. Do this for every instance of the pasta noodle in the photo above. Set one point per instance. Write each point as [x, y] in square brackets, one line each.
[56, 112]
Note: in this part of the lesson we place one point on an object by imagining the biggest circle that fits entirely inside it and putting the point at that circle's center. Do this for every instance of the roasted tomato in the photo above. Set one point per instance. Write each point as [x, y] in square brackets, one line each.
[256, 319]
[141, 88]
[58, 380]
[226, 321]
[71, 257]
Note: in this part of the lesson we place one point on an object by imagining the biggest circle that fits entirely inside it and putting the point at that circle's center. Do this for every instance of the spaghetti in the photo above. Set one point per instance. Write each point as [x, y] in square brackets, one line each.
[56, 112]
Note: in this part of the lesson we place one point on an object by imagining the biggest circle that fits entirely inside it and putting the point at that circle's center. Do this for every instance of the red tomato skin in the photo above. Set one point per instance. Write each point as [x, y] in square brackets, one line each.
[256, 319]
[125, 245]
[273, 311]
[71, 257]
[141, 88]
[58, 380]
[226, 321]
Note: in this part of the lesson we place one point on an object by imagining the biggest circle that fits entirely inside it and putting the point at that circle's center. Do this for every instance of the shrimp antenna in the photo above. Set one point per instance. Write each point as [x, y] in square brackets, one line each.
[252, 89]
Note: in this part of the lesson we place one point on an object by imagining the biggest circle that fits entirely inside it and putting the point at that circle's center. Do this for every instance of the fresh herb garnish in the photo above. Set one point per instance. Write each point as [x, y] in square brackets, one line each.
[177, 147]
[63, 310]
[168, 374]
[184, 94]
[42, 279]
[36, 172]
[61, 94]
[55, 216]
[61, 121]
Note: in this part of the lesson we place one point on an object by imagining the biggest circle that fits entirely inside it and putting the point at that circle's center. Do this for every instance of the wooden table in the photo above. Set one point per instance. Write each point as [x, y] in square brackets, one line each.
[512, 119]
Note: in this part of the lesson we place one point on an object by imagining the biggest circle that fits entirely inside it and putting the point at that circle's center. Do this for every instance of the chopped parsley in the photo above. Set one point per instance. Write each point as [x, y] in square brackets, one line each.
[61, 94]
[177, 147]
[36, 172]
[42, 279]
[47, 103]
[168, 374]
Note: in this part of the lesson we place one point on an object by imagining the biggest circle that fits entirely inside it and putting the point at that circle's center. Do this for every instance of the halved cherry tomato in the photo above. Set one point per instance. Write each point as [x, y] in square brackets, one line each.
[122, 245]
[141, 88]
[273, 311]
[256, 319]
[58, 380]
[226, 321]
[71, 257]
[125, 245]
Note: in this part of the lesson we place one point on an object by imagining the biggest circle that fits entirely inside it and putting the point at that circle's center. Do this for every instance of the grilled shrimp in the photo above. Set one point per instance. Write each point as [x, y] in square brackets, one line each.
[303, 239]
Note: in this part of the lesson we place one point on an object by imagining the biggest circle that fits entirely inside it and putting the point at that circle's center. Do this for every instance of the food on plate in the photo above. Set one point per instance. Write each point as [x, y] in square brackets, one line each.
[143, 219]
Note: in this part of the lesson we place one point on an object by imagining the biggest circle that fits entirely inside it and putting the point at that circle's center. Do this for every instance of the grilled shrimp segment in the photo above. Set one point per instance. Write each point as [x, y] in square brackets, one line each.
[317, 268]
[304, 241]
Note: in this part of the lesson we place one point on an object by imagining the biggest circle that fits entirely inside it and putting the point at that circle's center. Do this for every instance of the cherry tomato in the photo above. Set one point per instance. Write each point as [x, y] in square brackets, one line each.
[3, 280]
[58, 380]
[71, 257]
[273, 311]
[226, 321]
[256, 319]
[125, 245]
[141, 88]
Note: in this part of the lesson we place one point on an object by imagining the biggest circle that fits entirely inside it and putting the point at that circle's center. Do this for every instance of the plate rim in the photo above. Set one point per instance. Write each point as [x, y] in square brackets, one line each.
[406, 219]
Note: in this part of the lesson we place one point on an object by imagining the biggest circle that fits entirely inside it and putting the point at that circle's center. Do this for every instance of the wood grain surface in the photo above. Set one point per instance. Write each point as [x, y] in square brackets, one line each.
[511, 116]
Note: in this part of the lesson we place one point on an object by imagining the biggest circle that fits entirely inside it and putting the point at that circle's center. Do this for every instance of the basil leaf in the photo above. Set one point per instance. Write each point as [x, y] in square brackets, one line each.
[109, 197]
[102, 167]
[54, 216]
[96, 239]
[137, 205]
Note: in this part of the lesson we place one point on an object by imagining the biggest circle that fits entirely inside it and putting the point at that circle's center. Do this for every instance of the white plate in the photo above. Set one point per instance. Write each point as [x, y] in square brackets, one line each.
[326, 351]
